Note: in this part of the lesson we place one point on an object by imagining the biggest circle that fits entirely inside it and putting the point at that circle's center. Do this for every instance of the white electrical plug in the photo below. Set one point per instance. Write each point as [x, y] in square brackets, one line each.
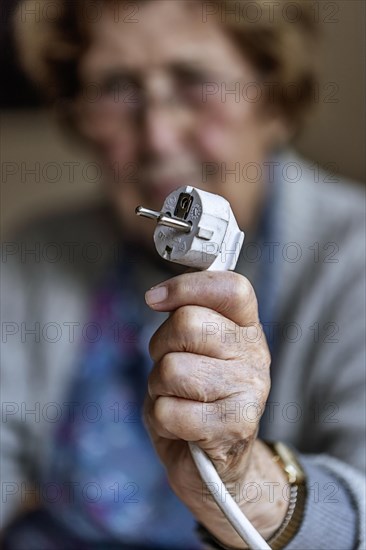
[198, 229]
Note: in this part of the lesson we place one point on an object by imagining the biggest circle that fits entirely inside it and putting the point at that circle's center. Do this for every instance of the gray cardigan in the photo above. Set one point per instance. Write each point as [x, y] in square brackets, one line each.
[317, 401]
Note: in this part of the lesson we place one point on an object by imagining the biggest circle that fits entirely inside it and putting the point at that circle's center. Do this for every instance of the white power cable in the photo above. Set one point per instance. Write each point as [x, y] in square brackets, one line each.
[225, 501]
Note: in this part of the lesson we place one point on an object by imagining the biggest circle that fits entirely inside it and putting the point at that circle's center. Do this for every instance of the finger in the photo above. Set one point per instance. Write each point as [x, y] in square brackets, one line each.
[199, 330]
[216, 427]
[228, 293]
[197, 377]
[178, 418]
[210, 424]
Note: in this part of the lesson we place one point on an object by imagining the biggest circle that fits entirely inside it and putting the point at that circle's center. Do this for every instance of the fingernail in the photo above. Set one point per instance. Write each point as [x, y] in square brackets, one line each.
[156, 295]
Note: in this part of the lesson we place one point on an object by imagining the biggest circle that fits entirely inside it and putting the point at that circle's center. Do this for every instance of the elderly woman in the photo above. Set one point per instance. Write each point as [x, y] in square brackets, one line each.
[104, 384]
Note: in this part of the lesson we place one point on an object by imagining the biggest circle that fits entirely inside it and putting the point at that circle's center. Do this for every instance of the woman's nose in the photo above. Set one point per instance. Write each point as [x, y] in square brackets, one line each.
[160, 130]
[162, 120]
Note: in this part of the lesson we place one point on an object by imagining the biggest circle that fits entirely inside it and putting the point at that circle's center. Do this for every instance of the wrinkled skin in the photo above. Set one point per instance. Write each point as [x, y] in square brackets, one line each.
[209, 384]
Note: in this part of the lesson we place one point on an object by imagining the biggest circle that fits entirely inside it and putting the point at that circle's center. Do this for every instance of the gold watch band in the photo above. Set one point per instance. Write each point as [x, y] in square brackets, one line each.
[284, 456]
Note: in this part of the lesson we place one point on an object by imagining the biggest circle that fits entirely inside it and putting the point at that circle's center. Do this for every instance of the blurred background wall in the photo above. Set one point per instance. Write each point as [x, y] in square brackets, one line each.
[42, 169]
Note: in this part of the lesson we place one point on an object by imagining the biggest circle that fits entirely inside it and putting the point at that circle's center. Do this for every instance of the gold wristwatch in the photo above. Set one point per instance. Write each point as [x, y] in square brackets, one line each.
[284, 456]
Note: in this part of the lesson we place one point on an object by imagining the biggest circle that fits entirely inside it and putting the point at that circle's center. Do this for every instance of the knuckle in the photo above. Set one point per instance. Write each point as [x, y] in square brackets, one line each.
[151, 386]
[159, 410]
[260, 357]
[154, 345]
[266, 390]
[154, 384]
[261, 384]
[261, 390]
[186, 323]
[265, 357]
[241, 430]
[175, 379]
[168, 369]
[152, 349]
[240, 291]
[160, 414]
[260, 378]
[243, 291]
[180, 286]
[182, 317]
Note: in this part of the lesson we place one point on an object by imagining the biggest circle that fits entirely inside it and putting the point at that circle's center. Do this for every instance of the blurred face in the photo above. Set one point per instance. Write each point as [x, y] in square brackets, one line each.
[157, 106]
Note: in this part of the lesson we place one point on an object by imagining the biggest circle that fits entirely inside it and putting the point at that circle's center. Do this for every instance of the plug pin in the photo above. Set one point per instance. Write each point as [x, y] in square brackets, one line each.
[147, 213]
[164, 219]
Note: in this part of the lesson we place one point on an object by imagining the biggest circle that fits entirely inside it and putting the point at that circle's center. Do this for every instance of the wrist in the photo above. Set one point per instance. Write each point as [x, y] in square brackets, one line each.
[264, 491]
[272, 497]
[259, 493]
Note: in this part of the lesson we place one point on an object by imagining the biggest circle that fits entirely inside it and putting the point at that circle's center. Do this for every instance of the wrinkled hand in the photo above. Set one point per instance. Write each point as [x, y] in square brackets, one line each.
[209, 384]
